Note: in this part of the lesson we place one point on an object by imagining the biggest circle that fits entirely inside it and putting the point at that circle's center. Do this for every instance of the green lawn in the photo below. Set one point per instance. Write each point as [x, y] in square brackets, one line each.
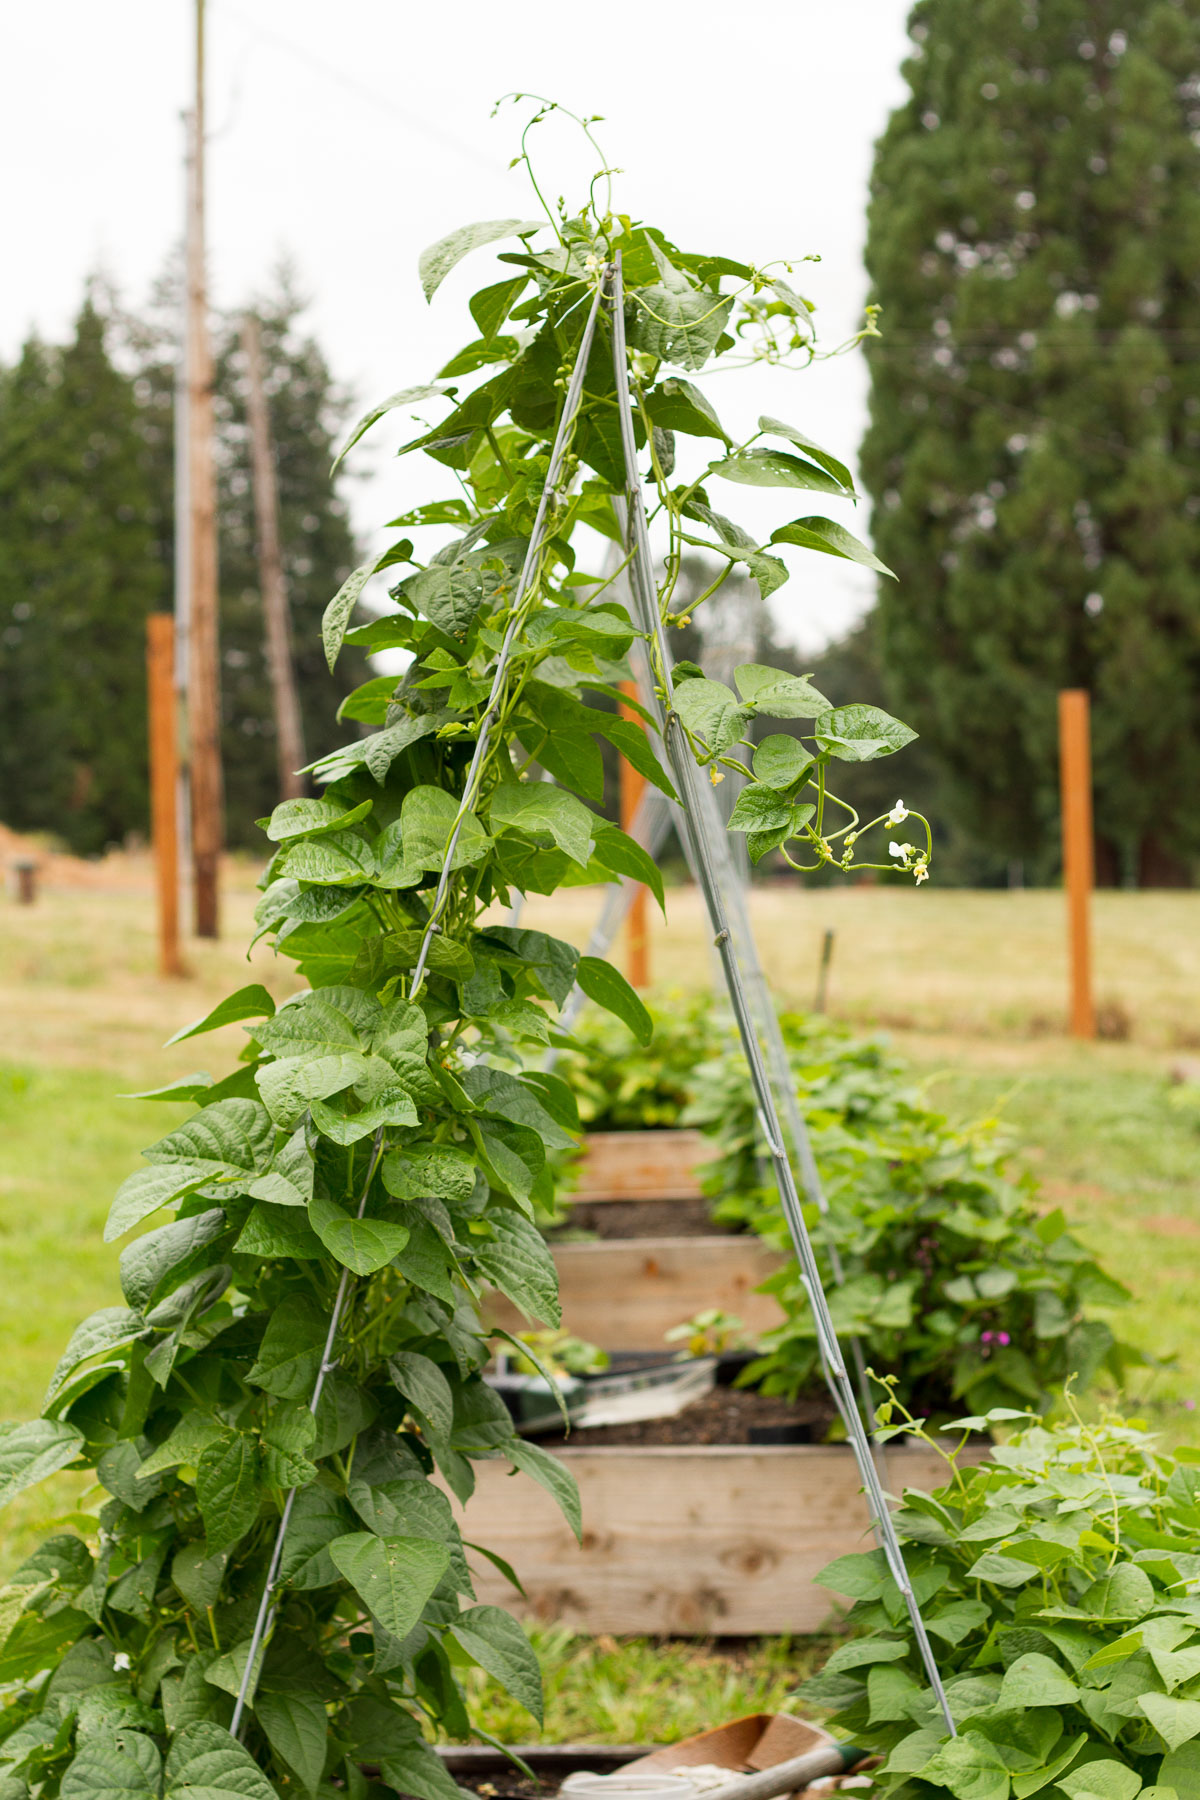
[638, 1691]
[68, 1143]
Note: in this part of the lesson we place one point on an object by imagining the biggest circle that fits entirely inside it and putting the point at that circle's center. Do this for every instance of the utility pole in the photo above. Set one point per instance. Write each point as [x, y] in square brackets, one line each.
[204, 705]
[160, 682]
[1075, 759]
[289, 727]
[183, 555]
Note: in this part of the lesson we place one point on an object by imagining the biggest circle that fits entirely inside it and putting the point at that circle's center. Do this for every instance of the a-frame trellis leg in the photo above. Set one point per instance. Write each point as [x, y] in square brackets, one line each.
[762, 1009]
[699, 827]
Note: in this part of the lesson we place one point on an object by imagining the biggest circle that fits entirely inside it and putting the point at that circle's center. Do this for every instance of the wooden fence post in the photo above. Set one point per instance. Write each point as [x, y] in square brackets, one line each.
[164, 775]
[24, 870]
[637, 924]
[822, 994]
[1075, 764]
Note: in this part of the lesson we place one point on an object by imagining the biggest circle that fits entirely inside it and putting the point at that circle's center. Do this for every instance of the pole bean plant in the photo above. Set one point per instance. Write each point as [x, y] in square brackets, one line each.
[959, 1281]
[1061, 1582]
[278, 1597]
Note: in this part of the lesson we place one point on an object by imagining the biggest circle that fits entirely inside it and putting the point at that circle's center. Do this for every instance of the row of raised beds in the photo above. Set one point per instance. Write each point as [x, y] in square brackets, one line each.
[717, 1517]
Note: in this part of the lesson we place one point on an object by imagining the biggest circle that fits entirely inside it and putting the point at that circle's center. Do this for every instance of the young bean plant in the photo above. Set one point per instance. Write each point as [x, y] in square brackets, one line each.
[958, 1281]
[278, 1595]
[1060, 1583]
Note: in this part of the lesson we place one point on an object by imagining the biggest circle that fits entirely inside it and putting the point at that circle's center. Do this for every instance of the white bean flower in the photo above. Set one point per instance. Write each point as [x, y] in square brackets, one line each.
[902, 851]
[121, 1661]
[897, 815]
[920, 871]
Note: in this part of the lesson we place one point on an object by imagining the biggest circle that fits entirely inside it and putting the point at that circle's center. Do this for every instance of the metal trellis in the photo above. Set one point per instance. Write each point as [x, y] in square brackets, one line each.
[706, 842]
[749, 997]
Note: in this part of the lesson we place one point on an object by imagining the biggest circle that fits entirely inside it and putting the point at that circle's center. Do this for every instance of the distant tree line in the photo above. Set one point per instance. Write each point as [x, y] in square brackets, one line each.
[87, 540]
[1033, 459]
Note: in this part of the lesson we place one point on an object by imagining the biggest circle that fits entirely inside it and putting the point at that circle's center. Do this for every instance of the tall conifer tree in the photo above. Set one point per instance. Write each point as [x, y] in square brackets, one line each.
[1034, 447]
[77, 578]
[87, 549]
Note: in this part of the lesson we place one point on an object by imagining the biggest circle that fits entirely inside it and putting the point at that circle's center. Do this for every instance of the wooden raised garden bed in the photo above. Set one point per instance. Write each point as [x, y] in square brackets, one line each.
[719, 1540]
[644, 1275]
[686, 1537]
[641, 1165]
[625, 1293]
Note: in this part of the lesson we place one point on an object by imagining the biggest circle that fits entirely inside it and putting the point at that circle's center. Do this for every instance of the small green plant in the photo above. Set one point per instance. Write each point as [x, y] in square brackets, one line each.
[557, 1352]
[710, 1333]
[619, 1086]
[1060, 1586]
[955, 1283]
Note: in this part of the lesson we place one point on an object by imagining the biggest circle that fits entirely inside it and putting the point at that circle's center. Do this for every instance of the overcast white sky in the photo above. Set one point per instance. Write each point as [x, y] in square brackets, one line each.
[351, 134]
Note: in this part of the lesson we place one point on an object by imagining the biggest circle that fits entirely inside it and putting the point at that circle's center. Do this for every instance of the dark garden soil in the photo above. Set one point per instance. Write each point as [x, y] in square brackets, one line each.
[493, 1777]
[642, 1219]
[724, 1416]
[512, 1786]
[497, 1784]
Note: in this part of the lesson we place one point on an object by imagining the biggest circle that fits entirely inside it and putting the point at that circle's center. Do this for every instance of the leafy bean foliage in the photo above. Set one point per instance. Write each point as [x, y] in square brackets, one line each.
[956, 1283]
[624, 1087]
[1060, 1585]
[299, 1342]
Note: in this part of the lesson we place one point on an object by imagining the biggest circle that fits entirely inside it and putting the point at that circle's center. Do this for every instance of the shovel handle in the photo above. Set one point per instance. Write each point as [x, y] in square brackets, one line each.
[785, 1777]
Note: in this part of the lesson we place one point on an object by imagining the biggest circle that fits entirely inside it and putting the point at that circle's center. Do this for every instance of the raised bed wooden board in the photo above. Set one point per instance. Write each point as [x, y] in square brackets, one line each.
[722, 1540]
[642, 1165]
[625, 1293]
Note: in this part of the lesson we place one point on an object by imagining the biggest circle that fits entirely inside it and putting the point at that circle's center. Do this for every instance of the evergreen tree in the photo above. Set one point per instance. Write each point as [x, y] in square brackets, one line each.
[307, 415]
[87, 536]
[1034, 447]
[77, 578]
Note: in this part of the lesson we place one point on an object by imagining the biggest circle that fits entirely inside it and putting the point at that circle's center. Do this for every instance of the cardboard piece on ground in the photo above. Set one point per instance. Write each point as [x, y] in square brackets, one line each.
[744, 1746]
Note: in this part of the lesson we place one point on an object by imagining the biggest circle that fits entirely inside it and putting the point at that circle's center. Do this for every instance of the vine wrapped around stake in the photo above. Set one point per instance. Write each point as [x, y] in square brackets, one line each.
[302, 1335]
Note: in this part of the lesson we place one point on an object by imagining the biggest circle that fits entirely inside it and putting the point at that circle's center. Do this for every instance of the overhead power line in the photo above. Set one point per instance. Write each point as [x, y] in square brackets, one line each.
[353, 85]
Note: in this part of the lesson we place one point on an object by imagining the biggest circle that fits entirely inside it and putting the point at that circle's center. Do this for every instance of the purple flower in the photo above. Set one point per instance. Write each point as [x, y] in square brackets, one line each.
[1002, 1337]
[1190, 1405]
